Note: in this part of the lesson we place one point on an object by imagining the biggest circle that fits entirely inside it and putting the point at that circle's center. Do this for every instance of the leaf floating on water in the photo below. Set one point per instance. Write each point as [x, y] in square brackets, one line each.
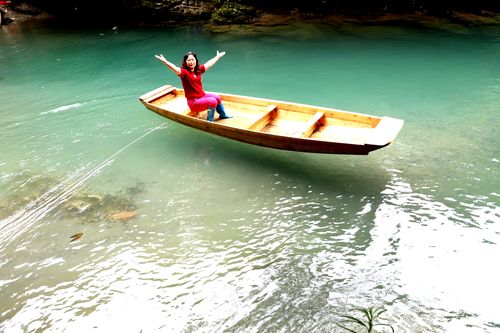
[122, 216]
[76, 236]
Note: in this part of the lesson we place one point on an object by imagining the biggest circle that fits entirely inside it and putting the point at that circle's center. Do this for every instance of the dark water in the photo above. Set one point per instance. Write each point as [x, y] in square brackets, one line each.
[227, 237]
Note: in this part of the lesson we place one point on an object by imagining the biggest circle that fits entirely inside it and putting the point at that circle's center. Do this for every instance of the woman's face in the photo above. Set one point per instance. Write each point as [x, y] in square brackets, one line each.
[191, 62]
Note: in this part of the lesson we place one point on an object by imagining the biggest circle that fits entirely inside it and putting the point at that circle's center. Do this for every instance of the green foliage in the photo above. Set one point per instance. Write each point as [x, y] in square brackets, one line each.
[232, 12]
[371, 317]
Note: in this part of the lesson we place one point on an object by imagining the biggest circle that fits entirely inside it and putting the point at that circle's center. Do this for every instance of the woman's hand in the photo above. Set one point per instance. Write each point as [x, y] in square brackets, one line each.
[170, 65]
[160, 57]
[212, 61]
[220, 54]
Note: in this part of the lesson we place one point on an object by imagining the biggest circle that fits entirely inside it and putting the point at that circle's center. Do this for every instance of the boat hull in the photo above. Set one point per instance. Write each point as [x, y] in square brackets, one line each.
[281, 125]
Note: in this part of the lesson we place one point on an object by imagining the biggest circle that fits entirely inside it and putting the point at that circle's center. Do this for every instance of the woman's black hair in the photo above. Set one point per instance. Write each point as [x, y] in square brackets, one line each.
[184, 65]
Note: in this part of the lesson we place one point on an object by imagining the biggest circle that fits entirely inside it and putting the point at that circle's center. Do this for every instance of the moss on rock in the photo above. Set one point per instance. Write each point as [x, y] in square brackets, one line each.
[234, 13]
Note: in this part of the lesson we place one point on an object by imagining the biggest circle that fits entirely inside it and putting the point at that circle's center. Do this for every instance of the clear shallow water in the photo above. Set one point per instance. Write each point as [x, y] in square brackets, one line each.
[234, 238]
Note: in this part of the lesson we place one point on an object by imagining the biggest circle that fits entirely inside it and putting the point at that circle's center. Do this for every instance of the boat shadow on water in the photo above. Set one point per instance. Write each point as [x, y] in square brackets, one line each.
[361, 176]
[345, 191]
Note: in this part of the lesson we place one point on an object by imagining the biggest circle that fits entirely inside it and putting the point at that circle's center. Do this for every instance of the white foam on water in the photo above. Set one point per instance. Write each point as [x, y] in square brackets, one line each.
[63, 108]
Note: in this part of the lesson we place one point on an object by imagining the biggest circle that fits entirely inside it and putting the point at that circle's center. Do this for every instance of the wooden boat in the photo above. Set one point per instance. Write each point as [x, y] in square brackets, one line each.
[281, 125]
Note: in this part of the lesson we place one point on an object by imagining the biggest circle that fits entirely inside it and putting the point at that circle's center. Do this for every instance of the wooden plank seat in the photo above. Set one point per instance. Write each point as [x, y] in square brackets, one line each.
[190, 113]
[311, 126]
[264, 119]
[157, 93]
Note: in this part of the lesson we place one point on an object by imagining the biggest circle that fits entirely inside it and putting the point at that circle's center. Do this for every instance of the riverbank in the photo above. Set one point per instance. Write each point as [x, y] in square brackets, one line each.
[25, 15]
[275, 20]
[262, 21]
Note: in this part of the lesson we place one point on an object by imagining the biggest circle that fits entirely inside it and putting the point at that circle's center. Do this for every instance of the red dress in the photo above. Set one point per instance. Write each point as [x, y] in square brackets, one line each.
[191, 82]
[197, 99]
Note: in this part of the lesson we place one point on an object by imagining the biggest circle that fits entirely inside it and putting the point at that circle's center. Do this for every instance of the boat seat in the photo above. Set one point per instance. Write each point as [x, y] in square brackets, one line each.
[311, 126]
[264, 119]
[190, 113]
[157, 93]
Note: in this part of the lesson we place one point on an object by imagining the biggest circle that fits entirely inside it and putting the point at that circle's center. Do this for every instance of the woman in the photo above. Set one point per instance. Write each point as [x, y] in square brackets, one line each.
[190, 73]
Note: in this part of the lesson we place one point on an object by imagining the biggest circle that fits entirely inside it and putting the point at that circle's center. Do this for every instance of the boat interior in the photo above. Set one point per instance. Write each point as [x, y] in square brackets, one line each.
[273, 117]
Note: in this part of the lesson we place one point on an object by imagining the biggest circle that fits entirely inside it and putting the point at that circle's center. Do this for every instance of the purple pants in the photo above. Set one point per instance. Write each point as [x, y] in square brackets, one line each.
[205, 102]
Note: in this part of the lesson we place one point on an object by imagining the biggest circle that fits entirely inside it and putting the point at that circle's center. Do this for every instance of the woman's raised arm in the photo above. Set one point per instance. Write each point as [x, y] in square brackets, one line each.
[170, 65]
[212, 61]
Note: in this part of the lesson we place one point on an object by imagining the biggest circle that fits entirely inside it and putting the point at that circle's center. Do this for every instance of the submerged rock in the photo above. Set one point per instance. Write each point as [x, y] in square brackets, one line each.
[95, 208]
[25, 188]
[32, 191]
[122, 216]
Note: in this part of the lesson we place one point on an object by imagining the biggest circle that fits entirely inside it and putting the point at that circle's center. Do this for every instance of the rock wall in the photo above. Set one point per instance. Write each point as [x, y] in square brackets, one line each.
[172, 10]
[220, 12]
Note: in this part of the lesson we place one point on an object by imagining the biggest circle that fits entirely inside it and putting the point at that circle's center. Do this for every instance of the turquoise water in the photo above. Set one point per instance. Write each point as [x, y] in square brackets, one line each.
[226, 237]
